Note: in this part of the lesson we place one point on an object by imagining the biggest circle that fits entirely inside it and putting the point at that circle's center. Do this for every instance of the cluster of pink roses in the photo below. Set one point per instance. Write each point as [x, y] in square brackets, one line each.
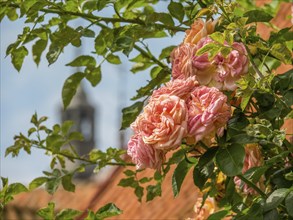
[191, 106]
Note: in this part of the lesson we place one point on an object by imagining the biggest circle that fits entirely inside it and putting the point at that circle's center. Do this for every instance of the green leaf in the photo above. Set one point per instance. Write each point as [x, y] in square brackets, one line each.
[48, 212]
[70, 86]
[161, 17]
[54, 142]
[129, 173]
[166, 52]
[16, 188]
[257, 16]
[179, 174]
[230, 159]
[37, 182]
[111, 58]
[53, 53]
[38, 49]
[176, 10]
[202, 174]
[211, 48]
[17, 57]
[218, 37]
[67, 183]
[128, 182]
[130, 113]
[138, 192]
[83, 60]
[107, 211]
[207, 156]
[218, 215]
[94, 75]
[65, 127]
[162, 77]
[68, 214]
[153, 191]
[289, 203]
[275, 198]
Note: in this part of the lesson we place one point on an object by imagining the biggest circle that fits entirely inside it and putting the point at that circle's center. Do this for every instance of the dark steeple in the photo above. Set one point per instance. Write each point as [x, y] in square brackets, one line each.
[82, 113]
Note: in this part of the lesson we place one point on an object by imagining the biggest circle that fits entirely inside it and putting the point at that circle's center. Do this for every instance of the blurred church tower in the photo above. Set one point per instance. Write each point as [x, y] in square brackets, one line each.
[82, 113]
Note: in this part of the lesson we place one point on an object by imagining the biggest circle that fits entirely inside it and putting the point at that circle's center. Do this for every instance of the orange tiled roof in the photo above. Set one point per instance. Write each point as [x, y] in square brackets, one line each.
[93, 195]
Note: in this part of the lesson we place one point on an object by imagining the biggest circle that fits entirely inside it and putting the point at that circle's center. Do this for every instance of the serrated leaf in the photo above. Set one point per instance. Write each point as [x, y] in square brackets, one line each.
[114, 59]
[107, 211]
[138, 192]
[176, 9]
[178, 176]
[65, 127]
[53, 53]
[210, 48]
[83, 60]
[257, 16]
[230, 159]
[162, 76]
[275, 198]
[68, 214]
[94, 75]
[70, 86]
[67, 183]
[17, 57]
[48, 212]
[153, 191]
[218, 37]
[129, 173]
[207, 156]
[16, 188]
[130, 113]
[38, 49]
[37, 182]
[218, 215]
[166, 52]
[128, 182]
[289, 203]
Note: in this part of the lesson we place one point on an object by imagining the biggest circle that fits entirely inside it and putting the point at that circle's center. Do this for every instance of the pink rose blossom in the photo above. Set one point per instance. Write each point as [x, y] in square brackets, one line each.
[230, 69]
[253, 158]
[163, 123]
[208, 112]
[178, 87]
[181, 59]
[224, 71]
[144, 155]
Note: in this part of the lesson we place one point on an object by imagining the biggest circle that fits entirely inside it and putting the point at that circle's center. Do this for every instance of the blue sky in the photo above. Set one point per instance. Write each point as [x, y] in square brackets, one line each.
[38, 89]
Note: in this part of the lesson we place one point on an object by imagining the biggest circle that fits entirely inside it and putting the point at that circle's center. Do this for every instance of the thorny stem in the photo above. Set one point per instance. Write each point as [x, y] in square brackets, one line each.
[252, 185]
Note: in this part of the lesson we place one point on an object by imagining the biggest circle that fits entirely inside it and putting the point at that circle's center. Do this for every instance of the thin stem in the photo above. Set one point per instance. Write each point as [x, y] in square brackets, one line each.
[253, 63]
[84, 159]
[252, 185]
[91, 17]
[150, 56]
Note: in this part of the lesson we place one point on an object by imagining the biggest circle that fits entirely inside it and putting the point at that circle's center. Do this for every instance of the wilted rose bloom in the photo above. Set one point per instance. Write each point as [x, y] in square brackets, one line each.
[208, 112]
[199, 29]
[178, 87]
[209, 207]
[181, 59]
[144, 155]
[253, 158]
[223, 72]
[163, 122]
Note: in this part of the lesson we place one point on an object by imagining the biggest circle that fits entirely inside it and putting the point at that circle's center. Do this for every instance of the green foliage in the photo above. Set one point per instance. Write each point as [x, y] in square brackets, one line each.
[265, 99]
[179, 175]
